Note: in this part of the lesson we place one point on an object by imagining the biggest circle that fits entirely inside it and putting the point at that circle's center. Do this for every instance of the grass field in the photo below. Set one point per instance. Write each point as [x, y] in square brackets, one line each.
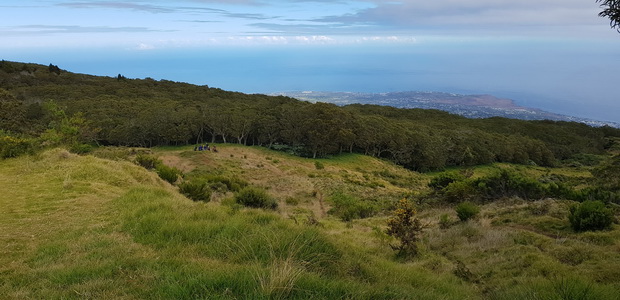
[82, 227]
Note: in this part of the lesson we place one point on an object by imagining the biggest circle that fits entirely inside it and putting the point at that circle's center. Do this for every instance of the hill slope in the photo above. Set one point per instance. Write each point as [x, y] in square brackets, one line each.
[83, 227]
[86, 227]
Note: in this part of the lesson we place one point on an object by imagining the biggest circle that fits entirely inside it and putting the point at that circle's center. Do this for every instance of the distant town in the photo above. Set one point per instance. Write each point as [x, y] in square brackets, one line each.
[470, 106]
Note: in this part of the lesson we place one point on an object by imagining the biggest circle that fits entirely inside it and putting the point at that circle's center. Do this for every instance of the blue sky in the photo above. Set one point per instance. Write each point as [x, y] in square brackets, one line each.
[553, 54]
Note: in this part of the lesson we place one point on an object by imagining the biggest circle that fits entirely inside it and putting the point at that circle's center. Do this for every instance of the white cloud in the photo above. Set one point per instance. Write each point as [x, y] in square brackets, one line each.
[144, 47]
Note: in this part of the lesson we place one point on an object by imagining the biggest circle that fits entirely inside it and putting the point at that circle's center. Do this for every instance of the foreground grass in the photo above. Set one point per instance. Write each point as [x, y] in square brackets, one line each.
[82, 227]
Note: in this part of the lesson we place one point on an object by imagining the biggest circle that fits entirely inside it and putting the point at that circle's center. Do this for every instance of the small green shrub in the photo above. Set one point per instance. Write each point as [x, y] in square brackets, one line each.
[233, 183]
[460, 191]
[318, 165]
[13, 146]
[255, 197]
[466, 210]
[406, 227]
[147, 161]
[445, 221]
[590, 215]
[78, 148]
[195, 190]
[348, 207]
[168, 173]
[442, 180]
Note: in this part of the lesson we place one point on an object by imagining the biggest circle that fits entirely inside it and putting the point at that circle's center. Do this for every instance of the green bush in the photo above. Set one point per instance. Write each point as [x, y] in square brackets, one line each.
[195, 190]
[507, 183]
[466, 210]
[590, 215]
[348, 207]
[255, 197]
[78, 148]
[442, 180]
[147, 161]
[234, 184]
[460, 191]
[318, 165]
[13, 146]
[445, 221]
[168, 173]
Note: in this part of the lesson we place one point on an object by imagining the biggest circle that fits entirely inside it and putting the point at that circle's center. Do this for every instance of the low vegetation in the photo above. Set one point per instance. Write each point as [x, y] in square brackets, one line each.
[590, 215]
[466, 210]
[131, 235]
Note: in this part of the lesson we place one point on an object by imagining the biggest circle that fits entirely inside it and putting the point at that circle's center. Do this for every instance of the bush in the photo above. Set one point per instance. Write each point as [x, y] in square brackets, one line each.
[348, 208]
[460, 191]
[13, 147]
[167, 173]
[147, 161]
[442, 180]
[318, 165]
[78, 148]
[445, 221]
[466, 210]
[405, 227]
[234, 184]
[195, 190]
[507, 183]
[590, 215]
[255, 197]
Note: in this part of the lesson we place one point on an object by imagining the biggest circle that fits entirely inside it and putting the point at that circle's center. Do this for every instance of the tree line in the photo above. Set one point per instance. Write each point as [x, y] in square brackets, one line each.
[147, 112]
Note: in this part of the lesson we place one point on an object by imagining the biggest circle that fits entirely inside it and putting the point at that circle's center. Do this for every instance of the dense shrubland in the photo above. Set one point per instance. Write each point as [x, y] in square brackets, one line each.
[131, 112]
[454, 187]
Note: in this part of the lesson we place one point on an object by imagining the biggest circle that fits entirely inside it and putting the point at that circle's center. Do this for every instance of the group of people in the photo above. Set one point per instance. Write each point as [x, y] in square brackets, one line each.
[205, 147]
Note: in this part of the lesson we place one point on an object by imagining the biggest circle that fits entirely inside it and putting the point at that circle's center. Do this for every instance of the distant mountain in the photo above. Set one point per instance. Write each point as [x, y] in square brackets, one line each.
[470, 106]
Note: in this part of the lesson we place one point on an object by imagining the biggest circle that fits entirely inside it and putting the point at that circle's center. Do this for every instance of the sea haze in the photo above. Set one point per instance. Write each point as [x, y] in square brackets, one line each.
[539, 74]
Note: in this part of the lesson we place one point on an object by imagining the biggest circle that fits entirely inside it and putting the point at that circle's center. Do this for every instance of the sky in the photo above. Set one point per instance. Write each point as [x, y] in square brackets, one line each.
[556, 55]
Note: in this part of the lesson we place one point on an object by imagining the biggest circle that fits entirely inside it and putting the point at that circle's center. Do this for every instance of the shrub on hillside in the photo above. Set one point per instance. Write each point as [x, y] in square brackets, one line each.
[195, 190]
[406, 227]
[460, 191]
[590, 215]
[147, 161]
[256, 198]
[348, 207]
[507, 183]
[442, 180]
[445, 221]
[79, 148]
[12, 146]
[466, 210]
[233, 183]
[168, 173]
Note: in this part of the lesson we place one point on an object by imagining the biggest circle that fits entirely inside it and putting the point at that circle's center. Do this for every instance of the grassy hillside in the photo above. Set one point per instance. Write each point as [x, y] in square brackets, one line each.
[76, 227]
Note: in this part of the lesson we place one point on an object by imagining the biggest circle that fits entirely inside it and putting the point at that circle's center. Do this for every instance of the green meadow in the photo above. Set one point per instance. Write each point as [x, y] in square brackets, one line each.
[99, 226]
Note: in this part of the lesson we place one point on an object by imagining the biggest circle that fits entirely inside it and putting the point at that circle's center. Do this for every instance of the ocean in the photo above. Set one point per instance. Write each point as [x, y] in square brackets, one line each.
[563, 77]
